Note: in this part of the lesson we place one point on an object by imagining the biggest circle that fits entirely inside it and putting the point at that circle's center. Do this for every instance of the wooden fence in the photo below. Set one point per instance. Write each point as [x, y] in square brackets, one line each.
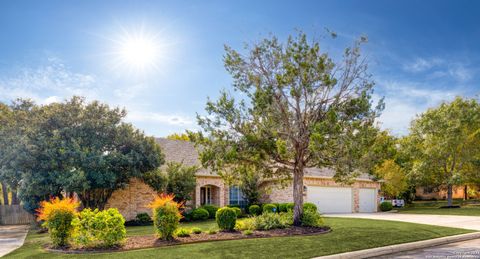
[14, 215]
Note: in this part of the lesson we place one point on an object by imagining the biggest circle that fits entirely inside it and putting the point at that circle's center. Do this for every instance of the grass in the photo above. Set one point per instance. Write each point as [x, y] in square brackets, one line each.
[347, 235]
[469, 208]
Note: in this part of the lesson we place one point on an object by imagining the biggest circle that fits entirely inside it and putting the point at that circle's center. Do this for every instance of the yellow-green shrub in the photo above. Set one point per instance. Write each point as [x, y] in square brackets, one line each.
[166, 216]
[99, 228]
[57, 216]
[226, 218]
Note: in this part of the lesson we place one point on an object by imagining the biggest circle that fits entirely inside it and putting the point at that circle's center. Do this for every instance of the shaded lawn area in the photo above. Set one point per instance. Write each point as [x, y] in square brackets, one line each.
[347, 235]
[469, 208]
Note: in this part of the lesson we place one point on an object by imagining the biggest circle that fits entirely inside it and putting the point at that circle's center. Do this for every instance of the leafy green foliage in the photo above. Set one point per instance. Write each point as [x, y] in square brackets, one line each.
[395, 178]
[238, 211]
[143, 219]
[226, 218]
[200, 214]
[177, 136]
[269, 208]
[254, 210]
[298, 109]
[309, 206]
[311, 218]
[445, 144]
[196, 230]
[283, 207]
[212, 210]
[268, 221]
[248, 232]
[99, 228]
[166, 216]
[183, 232]
[386, 206]
[246, 224]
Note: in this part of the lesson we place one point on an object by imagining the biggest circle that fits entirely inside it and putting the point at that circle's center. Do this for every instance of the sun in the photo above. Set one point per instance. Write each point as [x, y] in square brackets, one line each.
[139, 52]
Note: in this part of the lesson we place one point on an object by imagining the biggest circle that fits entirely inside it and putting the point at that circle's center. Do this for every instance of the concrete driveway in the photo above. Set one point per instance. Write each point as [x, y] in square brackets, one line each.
[466, 222]
[11, 238]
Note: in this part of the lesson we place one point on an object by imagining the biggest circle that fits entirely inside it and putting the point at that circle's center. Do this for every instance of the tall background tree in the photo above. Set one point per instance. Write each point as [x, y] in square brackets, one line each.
[297, 108]
[444, 144]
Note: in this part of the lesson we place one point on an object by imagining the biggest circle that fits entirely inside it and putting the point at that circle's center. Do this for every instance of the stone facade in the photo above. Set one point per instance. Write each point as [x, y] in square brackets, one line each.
[219, 190]
[133, 199]
[277, 193]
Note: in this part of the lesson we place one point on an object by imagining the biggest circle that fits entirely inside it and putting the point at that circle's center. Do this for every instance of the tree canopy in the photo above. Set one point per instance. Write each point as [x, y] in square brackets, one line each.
[294, 107]
[445, 144]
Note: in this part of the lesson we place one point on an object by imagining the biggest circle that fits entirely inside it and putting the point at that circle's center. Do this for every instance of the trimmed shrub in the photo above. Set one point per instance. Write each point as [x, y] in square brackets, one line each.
[212, 210]
[386, 206]
[183, 232]
[238, 211]
[269, 220]
[267, 208]
[212, 231]
[166, 216]
[57, 216]
[311, 218]
[226, 218]
[290, 206]
[282, 207]
[309, 206]
[200, 214]
[248, 232]
[143, 219]
[196, 230]
[254, 210]
[96, 228]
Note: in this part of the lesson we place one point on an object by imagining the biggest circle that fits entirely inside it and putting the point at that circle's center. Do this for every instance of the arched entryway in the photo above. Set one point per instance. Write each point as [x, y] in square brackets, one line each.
[209, 194]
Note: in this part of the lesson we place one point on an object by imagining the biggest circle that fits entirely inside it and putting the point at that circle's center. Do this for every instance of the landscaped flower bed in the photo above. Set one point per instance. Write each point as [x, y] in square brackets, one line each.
[138, 242]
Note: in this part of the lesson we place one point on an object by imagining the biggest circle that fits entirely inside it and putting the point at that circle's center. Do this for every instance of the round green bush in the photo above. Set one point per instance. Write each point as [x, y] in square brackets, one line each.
[269, 208]
[386, 206]
[254, 210]
[311, 218]
[200, 214]
[282, 207]
[238, 211]
[226, 218]
[212, 210]
[196, 230]
[309, 206]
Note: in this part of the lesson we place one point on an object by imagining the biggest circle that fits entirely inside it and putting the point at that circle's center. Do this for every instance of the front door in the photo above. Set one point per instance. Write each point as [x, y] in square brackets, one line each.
[205, 195]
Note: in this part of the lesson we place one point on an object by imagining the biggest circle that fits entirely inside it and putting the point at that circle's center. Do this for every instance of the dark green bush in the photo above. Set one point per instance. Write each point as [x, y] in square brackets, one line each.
[269, 208]
[212, 210]
[290, 206]
[143, 219]
[200, 214]
[238, 211]
[386, 206]
[226, 218]
[254, 210]
[282, 207]
[311, 218]
[309, 206]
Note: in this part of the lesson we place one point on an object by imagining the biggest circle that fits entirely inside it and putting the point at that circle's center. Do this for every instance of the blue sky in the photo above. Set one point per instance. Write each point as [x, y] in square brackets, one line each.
[420, 52]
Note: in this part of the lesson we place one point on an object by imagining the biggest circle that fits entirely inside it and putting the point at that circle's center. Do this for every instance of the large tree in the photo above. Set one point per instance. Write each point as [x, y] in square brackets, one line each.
[293, 108]
[83, 148]
[445, 144]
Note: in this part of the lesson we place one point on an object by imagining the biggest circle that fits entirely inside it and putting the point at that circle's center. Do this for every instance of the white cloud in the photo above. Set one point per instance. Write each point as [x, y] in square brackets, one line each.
[421, 64]
[437, 68]
[405, 100]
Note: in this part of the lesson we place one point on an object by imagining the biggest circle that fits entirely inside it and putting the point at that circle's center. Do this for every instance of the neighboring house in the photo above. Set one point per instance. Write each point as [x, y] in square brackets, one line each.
[320, 188]
[438, 193]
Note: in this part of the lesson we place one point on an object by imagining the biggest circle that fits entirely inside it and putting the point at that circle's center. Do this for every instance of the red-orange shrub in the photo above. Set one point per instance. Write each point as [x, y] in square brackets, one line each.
[166, 215]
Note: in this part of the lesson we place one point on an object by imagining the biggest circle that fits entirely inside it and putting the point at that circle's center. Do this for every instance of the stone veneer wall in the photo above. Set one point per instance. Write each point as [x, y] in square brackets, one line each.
[133, 199]
[276, 193]
[220, 191]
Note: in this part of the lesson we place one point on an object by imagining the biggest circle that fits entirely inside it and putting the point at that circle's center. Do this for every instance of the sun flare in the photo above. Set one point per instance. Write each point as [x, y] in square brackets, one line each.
[139, 52]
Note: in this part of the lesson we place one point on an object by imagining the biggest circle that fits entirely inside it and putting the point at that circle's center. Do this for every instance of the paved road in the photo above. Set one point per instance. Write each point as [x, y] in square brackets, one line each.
[467, 222]
[466, 249]
[11, 238]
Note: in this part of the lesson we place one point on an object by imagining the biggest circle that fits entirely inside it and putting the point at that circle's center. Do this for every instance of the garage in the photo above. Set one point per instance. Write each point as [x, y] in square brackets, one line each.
[367, 200]
[331, 199]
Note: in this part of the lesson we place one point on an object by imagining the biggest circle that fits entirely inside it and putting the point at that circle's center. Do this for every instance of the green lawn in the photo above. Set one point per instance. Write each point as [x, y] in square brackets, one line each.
[469, 208]
[347, 235]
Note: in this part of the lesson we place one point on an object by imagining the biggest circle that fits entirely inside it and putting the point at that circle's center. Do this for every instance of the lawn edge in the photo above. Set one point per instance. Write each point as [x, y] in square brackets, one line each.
[386, 250]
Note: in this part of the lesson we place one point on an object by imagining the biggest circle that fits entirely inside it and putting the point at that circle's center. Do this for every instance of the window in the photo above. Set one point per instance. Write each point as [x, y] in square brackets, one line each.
[205, 195]
[236, 197]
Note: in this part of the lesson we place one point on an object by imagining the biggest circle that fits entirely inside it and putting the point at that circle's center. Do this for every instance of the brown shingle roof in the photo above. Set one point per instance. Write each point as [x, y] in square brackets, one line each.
[186, 153]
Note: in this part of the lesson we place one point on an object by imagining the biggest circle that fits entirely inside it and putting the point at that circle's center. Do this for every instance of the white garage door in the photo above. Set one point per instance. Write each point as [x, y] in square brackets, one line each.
[331, 199]
[367, 199]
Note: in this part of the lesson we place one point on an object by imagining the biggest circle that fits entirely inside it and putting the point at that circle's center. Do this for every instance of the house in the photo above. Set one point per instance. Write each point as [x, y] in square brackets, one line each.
[440, 193]
[320, 188]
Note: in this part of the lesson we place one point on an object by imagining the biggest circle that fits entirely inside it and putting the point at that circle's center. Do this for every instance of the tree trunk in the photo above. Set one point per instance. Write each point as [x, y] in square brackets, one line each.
[449, 195]
[5, 193]
[298, 194]
[465, 193]
[15, 200]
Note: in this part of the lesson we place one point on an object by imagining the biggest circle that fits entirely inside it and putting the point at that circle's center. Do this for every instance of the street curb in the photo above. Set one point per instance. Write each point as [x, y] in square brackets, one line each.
[385, 250]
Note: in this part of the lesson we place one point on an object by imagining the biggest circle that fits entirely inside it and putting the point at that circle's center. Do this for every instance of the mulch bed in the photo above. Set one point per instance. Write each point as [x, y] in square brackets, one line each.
[148, 241]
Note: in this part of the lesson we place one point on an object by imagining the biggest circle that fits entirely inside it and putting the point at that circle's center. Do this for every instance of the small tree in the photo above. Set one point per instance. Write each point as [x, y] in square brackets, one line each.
[444, 144]
[395, 180]
[297, 108]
